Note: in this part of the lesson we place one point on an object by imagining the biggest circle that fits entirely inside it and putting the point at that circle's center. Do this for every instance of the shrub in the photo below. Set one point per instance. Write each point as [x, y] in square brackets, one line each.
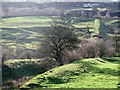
[71, 56]
[96, 48]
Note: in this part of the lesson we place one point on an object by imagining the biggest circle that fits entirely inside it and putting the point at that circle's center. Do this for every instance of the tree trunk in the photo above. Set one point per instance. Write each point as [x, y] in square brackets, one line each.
[59, 57]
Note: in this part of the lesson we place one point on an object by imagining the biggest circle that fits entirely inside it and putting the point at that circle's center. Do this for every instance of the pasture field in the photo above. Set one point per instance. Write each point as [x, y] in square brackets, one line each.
[23, 31]
[86, 73]
[26, 21]
[27, 30]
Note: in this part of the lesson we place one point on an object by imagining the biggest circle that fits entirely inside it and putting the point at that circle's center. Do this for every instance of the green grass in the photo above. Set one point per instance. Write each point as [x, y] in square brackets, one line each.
[97, 25]
[22, 36]
[86, 73]
[26, 21]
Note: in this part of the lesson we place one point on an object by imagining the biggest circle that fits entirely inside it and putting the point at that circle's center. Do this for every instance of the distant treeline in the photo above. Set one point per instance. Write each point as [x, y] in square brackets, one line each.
[55, 9]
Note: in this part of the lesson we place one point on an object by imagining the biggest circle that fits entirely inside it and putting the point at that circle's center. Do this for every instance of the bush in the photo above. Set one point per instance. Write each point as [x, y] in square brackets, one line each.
[71, 56]
[96, 48]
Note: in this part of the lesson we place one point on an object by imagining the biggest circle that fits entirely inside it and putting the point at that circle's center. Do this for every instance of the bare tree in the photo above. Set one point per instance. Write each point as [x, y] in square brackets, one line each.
[58, 38]
[105, 48]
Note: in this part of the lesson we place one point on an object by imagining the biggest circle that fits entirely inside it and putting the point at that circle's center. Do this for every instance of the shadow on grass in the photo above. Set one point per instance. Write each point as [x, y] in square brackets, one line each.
[91, 67]
[23, 69]
[85, 67]
[37, 29]
[114, 60]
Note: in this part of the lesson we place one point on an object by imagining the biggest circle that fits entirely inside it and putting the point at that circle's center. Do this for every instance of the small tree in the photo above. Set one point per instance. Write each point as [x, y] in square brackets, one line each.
[57, 39]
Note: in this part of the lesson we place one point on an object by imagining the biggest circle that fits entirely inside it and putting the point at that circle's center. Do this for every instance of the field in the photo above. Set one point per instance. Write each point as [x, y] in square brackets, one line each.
[27, 31]
[86, 73]
[23, 31]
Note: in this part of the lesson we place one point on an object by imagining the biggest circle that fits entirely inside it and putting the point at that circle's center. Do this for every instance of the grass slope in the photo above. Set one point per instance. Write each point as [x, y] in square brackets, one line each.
[15, 69]
[87, 73]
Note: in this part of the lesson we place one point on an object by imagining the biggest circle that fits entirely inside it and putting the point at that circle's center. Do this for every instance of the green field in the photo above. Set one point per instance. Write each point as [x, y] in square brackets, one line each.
[27, 31]
[86, 73]
[23, 31]
[26, 21]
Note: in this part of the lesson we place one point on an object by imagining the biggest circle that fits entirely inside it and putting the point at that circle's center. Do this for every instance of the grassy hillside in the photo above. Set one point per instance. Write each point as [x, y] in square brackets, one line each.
[87, 73]
[25, 67]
